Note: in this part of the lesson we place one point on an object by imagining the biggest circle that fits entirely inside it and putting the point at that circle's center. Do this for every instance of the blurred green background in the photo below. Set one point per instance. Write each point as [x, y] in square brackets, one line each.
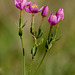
[60, 60]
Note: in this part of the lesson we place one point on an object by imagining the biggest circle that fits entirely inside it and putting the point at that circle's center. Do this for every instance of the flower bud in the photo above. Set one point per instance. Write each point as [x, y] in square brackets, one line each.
[33, 36]
[60, 14]
[45, 11]
[52, 19]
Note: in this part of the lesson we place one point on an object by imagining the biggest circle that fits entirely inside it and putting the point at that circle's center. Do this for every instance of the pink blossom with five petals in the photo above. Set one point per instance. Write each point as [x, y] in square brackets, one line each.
[52, 19]
[21, 4]
[33, 8]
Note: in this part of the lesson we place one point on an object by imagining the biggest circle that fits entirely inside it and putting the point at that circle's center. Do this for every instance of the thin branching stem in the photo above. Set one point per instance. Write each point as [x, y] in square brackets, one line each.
[23, 55]
[49, 37]
[30, 67]
[40, 63]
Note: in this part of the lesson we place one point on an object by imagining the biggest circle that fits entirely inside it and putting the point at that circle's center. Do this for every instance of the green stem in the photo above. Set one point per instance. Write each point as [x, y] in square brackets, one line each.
[23, 55]
[21, 18]
[30, 67]
[40, 62]
[32, 31]
[50, 31]
[33, 18]
[42, 21]
[32, 24]
[56, 30]
[40, 31]
[21, 37]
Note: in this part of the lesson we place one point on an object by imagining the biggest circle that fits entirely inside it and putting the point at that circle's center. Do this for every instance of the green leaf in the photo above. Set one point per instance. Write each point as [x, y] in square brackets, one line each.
[17, 25]
[40, 32]
[35, 34]
[34, 50]
[41, 41]
[58, 38]
[47, 44]
[24, 24]
[50, 45]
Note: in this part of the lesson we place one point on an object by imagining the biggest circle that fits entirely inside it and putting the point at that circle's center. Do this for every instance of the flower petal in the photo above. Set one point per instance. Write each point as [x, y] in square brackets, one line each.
[28, 3]
[41, 8]
[18, 3]
[23, 4]
[50, 17]
[27, 10]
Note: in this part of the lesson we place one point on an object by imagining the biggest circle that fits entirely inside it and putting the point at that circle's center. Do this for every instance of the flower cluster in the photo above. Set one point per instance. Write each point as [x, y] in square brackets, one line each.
[33, 8]
[53, 20]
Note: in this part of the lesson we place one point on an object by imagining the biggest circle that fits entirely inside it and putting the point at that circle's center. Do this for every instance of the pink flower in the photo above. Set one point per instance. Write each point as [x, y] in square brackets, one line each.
[60, 14]
[52, 19]
[33, 8]
[21, 4]
[45, 11]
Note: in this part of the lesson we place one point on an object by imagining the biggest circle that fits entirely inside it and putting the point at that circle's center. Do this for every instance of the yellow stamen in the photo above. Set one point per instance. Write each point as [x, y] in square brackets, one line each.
[21, 0]
[34, 5]
[53, 15]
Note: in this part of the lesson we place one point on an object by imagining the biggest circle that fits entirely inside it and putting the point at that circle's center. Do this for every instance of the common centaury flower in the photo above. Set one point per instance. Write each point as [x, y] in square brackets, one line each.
[21, 4]
[52, 19]
[33, 8]
[60, 14]
[45, 11]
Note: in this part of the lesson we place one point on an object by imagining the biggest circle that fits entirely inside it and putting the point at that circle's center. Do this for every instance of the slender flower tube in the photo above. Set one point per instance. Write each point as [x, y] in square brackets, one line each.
[33, 8]
[60, 14]
[45, 11]
[52, 19]
[21, 4]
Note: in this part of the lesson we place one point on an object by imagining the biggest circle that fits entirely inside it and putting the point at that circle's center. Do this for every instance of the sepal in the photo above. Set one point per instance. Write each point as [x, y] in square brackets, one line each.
[40, 32]
[34, 50]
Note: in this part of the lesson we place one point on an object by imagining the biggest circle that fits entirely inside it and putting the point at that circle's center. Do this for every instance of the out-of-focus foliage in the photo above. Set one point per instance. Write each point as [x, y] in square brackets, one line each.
[61, 58]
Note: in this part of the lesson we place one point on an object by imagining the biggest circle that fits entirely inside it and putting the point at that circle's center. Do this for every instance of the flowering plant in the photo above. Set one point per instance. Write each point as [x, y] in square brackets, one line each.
[52, 19]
